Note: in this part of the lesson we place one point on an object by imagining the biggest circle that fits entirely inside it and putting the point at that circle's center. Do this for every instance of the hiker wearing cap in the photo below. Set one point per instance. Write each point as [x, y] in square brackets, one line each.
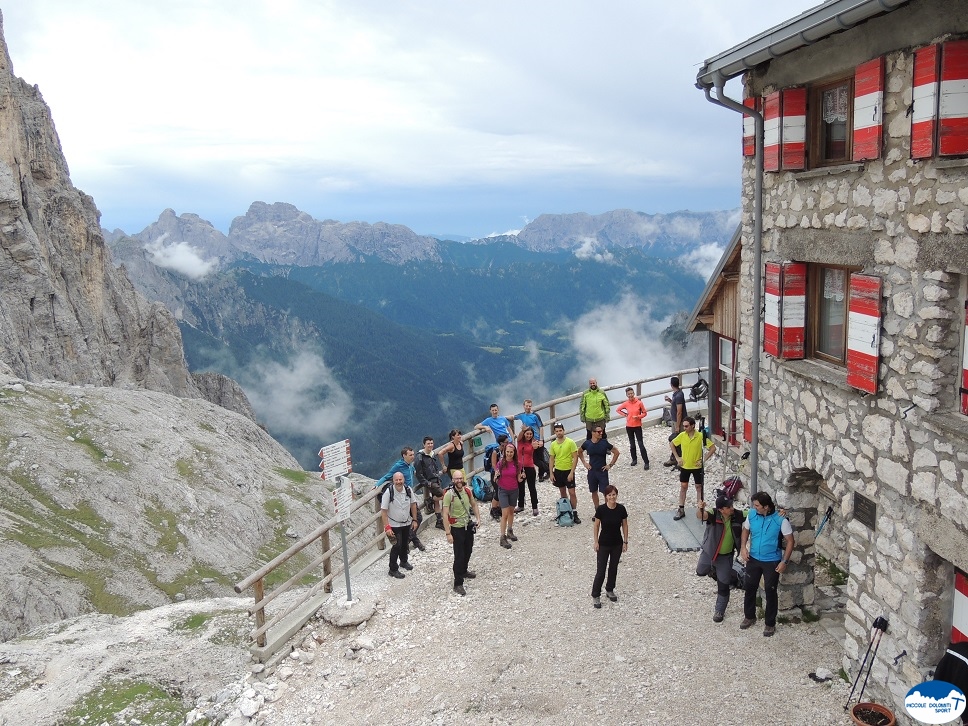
[458, 506]
[610, 538]
[634, 411]
[696, 449]
[398, 509]
[564, 457]
[721, 539]
[594, 408]
[760, 550]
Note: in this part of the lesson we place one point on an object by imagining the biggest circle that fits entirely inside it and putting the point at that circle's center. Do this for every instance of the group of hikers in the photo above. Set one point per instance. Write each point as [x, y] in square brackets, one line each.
[517, 462]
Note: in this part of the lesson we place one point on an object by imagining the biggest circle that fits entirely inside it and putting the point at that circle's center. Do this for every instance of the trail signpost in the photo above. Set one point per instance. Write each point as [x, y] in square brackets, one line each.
[335, 462]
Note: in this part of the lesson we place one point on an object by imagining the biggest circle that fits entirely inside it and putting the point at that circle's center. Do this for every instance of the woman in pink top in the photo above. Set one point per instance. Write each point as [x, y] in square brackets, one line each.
[527, 446]
[634, 411]
[508, 473]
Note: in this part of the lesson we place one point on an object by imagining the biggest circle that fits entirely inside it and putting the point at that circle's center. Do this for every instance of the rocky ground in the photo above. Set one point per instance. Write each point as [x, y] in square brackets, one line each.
[524, 646]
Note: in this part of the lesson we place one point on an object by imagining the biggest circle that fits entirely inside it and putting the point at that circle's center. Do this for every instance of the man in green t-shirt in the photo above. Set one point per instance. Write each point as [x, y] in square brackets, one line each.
[457, 507]
[721, 540]
[564, 458]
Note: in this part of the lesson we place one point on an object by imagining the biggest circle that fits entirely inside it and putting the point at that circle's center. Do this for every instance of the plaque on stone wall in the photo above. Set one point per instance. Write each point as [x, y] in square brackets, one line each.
[865, 511]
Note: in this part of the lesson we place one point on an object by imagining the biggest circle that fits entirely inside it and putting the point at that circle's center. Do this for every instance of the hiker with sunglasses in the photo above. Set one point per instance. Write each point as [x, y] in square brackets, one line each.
[696, 449]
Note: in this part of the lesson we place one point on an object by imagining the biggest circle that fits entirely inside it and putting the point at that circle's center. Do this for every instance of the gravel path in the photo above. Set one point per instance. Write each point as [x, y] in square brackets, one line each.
[525, 645]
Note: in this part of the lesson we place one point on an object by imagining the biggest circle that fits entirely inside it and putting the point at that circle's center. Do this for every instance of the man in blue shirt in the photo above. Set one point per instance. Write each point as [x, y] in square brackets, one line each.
[497, 424]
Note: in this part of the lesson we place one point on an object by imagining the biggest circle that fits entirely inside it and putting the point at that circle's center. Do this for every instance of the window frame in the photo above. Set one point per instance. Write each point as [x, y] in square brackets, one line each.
[815, 275]
[726, 398]
[815, 125]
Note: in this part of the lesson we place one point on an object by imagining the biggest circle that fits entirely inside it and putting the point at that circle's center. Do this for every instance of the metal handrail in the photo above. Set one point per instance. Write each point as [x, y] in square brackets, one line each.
[257, 579]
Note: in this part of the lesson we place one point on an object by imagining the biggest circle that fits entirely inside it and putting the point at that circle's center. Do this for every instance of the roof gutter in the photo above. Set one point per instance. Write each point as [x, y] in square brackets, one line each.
[807, 28]
[726, 102]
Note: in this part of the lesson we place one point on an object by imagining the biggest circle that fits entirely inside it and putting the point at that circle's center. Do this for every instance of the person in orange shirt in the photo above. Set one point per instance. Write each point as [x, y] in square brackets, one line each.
[634, 411]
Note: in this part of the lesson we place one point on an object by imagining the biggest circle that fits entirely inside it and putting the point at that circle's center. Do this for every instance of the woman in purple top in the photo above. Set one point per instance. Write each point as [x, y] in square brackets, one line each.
[509, 472]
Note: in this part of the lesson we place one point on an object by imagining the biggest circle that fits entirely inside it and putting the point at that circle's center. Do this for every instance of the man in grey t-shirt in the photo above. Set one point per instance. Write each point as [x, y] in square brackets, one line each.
[398, 508]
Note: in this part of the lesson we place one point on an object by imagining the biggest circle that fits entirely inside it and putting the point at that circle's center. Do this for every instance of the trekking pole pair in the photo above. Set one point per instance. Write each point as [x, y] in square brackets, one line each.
[879, 628]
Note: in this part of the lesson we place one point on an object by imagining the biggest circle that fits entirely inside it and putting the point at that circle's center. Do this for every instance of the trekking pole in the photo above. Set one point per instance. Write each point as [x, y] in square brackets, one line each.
[863, 663]
[881, 625]
[823, 522]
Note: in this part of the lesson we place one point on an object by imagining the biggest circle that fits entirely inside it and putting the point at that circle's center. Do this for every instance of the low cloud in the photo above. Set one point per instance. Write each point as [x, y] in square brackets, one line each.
[621, 342]
[588, 250]
[180, 257]
[299, 397]
[703, 259]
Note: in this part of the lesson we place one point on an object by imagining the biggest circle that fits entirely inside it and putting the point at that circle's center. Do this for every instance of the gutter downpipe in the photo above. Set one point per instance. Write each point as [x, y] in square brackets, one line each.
[726, 102]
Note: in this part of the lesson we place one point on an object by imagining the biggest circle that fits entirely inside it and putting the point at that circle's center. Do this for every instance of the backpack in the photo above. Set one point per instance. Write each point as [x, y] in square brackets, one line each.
[730, 487]
[481, 488]
[393, 489]
[565, 516]
[488, 450]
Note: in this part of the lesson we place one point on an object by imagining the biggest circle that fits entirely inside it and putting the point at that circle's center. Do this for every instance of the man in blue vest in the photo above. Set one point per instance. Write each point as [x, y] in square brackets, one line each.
[760, 550]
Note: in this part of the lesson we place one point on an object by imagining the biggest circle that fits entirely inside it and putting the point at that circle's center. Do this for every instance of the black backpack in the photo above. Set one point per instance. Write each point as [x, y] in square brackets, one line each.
[392, 490]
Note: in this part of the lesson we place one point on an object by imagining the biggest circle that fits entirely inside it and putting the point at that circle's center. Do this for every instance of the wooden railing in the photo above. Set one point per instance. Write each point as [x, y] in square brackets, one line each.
[559, 410]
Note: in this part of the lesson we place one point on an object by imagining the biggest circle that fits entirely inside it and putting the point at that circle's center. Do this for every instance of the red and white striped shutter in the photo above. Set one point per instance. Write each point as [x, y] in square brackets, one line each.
[771, 132]
[953, 108]
[794, 129]
[924, 113]
[771, 317]
[964, 367]
[863, 332]
[784, 325]
[868, 108]
[749, 129]
[794, 310]
[959, 618]
[748, 410]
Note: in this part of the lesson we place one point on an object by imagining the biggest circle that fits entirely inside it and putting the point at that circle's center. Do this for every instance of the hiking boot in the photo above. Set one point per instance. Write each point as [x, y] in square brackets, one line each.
[575, 519]
[611, 596]
[769, 630]
[534, 512]
[419, 545]
[459, 589]
[397, 574]
[429, 505]
[634, 463]
[511, 536]
[495, 512]
[440, 524]
[504, 542]
[680, 513]
[597, 602]
[670, 462]
[747, 623]
[646, 466]
[470, 574]
[518, 509]
[406, 565]
[718, 618]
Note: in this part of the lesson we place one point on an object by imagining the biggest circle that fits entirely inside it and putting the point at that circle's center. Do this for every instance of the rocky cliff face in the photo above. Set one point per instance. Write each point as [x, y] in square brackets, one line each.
[65, 312]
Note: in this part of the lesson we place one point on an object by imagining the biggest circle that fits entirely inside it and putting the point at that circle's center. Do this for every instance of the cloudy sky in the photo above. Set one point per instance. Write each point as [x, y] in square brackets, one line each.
[450, 117]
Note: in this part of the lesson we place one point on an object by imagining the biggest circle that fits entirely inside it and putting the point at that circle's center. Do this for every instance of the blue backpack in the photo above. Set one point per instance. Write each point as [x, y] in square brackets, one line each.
[565, 516]
[488, 450]
[481, 488]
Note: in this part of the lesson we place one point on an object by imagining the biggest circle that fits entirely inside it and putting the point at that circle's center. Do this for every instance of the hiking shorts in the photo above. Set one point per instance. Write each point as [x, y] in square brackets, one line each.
[697, 476]
[507, 497]
[561, 479]
[597, 481]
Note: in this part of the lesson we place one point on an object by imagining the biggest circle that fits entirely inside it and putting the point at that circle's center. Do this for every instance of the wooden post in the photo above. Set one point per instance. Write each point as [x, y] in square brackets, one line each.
[260, 613]
[382, 544]
[327, 563]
